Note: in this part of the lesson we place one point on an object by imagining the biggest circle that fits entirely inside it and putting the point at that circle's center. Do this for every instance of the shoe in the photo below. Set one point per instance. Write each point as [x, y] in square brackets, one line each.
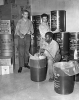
[20, 70]
[51, 79]
[26, 65]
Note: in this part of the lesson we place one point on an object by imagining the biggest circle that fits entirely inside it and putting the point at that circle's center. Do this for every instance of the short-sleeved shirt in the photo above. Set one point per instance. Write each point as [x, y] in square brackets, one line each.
[43, 29]
[24, 27]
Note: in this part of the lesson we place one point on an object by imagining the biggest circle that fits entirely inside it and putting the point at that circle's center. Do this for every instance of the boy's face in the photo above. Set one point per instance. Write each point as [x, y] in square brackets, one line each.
[44, 19]
[48, 39]
[25, 15]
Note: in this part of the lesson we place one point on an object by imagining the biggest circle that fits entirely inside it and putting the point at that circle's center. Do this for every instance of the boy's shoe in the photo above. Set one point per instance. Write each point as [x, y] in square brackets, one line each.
[26, 65]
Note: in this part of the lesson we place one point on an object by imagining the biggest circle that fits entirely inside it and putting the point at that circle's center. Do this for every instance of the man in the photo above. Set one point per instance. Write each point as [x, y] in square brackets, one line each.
[51, 51]
[43, 28]
[24, 29]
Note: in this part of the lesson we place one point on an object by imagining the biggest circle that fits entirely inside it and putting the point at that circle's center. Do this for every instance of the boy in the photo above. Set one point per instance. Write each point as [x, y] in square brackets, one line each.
[51, 51]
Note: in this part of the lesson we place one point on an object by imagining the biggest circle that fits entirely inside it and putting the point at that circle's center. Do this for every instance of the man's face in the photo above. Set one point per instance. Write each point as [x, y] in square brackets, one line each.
[44, 19]
[25, 15]
[48, 39]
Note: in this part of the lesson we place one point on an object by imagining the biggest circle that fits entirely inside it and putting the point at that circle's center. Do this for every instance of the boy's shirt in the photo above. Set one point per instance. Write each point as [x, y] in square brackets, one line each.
[51, 49]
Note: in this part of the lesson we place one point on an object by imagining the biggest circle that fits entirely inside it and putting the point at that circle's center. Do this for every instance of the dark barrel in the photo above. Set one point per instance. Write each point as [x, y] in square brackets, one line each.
[63, 40]
[58, 20]
[38, 69]
[36, 19]
[33, 46]
[6, 45]
[77, 77]
[63, 84]
[74, 49]
[74, 45]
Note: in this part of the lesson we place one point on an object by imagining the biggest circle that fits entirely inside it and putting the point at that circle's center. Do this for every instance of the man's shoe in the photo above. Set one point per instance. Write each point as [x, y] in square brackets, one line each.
[20, 70]
[26, 65]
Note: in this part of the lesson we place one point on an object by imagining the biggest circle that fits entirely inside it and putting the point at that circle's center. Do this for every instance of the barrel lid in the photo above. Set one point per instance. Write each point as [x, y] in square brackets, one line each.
[37, 57]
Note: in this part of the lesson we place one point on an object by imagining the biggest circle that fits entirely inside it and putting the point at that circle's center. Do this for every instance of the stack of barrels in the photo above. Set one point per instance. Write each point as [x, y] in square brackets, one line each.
[58, 20]
[36, 19]
[6, 45]
[74, 49]
[74, 45]
[63, 40]
[69, 46]
[6, 51]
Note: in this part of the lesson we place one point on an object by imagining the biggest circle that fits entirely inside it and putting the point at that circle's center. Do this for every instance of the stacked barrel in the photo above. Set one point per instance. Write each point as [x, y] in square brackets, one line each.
[58, 20]
[74, 49]
[36, 19]
[74, 46]
[63, 40]
[6, 45]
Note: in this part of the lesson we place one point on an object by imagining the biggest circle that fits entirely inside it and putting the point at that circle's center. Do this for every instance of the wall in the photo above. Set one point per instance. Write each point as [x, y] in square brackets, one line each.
[72, 16]
[1, 2]
[71, 7]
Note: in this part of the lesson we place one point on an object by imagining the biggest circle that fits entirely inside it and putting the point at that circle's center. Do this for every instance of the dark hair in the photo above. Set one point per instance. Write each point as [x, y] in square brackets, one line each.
[50, 34]
[44, 15]
[25, 10]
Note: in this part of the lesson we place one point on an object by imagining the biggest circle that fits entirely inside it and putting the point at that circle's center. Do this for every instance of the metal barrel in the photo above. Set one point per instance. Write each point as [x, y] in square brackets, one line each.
[38, 74]
[38, 70]
[74, 49]
[6, 45]
[63, 40]
[74, 46]
[33, 46]
[63, 84]
[58, 20]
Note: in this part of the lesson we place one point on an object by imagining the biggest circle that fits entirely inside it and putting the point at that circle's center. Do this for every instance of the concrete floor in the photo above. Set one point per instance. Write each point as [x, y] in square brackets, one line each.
[18, 86]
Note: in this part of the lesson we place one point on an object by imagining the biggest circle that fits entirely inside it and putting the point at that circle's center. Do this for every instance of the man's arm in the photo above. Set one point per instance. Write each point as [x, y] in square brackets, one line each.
[17, 29]
[32, 29]
[57, 56]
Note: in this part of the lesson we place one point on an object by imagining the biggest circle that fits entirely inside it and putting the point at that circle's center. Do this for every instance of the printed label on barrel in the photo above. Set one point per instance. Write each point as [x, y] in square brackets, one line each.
[56, 80]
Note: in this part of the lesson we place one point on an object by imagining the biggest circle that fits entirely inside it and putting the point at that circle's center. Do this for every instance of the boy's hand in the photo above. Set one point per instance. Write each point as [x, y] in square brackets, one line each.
[32, 36]
[41, 50]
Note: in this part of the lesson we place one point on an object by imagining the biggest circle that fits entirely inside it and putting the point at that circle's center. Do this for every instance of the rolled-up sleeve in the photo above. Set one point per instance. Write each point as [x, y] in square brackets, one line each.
[32, 29]
[17, 29]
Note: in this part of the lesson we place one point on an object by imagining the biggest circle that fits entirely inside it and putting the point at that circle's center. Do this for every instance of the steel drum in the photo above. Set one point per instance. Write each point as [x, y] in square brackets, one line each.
[63, 84]
[63, 40]
[6, 45]
[38, 69]
[74, 49]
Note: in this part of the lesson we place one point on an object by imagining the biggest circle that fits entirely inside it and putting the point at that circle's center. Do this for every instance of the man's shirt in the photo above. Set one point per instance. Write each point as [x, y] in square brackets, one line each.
[44, 28]
[23, 27]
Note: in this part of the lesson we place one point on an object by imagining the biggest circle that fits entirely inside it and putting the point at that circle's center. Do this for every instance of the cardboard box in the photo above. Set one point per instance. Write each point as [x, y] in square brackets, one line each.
[5, 62]
[5, 27]
[6, 70]
[7, 11]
